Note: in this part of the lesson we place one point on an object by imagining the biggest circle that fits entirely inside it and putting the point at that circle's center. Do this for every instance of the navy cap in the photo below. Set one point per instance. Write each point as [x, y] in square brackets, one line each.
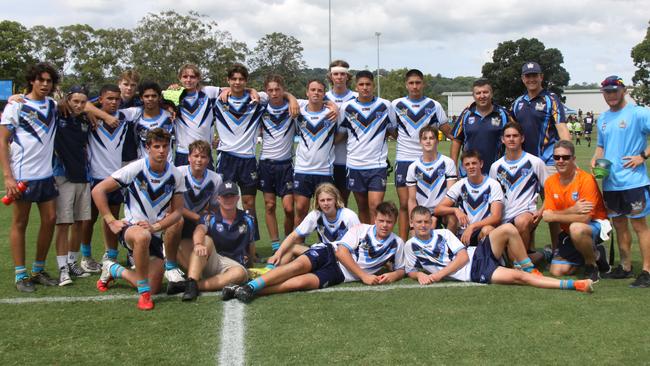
[228, 188]
[531, 68]
[78, 89]
[612, 83]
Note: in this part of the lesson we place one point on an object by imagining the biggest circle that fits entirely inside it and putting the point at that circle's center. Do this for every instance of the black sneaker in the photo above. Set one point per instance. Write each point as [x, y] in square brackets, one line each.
[619, 273]
[244, 294]
[25, 285]
[228, 292]
[76, 270]
[174, 288]
[591, 273]
[191, 290]
[601, 262]
[642, 280]
[44, 279]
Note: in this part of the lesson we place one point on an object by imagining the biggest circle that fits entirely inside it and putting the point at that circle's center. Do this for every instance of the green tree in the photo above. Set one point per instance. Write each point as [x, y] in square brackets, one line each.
[278, 53]
[15, 52]
[47, 45]
[505, 69]
[641, 78]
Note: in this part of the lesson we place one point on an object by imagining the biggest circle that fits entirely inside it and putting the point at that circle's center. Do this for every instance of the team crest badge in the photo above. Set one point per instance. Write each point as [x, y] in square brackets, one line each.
[428, 111]
[363, 244]
[219, 227]
[622, 124]
[354, 117]
[266, 117]
[419, 175]
[168, 188]
[351, 180]
[242, 228]
[637, 207]
[471, 120]
[379, 114]
[441, 172]
[32, 116]
[574, 196]
[495, 121]
[143, 185]
[539, 106]
[486, 196]
[464, 196]
[403, 111]
[296, 184]
[84, 127]
[603, 127]
[254, 175]
[289, 185]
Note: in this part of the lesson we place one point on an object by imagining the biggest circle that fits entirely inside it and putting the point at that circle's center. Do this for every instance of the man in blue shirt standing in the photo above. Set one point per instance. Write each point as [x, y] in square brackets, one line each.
[622, 139]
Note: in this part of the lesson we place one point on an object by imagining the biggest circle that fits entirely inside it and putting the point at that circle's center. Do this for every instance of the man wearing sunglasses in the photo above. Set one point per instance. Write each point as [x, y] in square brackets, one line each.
[622, 139]
[573, 200]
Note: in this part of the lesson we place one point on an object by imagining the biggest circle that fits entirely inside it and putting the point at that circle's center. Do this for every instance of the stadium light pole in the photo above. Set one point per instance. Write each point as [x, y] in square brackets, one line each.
[329, 3]
[378, 82]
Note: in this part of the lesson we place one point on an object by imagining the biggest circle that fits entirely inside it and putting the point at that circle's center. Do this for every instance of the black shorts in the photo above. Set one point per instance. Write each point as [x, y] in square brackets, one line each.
[305, 184]
[365, 180]
[484, 263]
[188, 229]
[41, 190]
[340, 178]
[242, 171]
[632, 203]
[115, 198]
[401, 169]
[324, 265]
[276, 177]
[567, 252]
[155, 245]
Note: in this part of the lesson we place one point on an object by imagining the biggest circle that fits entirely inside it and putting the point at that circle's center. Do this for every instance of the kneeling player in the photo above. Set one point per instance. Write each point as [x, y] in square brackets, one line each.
[442, 255]
[361, 253]
[152, 185]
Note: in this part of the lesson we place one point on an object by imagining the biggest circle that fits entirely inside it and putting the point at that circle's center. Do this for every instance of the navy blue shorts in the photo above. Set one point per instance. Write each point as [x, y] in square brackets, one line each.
[364, 180]
[473, 240]
[324, 265]
[340, 178]
[276, 177]
[188, 229]
[484, 263]
[181, 159]
[155, 245]
[41, 190]
[115, 198]
[401, 169]
[567, 252]
[242, 171]
[632, 203]
[305, 184]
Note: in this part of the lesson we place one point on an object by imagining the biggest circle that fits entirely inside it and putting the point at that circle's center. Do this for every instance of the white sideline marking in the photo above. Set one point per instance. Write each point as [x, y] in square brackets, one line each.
[231, 349]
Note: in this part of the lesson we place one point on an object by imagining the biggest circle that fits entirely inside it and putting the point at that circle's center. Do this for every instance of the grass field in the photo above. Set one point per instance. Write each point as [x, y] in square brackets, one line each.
[348, 324]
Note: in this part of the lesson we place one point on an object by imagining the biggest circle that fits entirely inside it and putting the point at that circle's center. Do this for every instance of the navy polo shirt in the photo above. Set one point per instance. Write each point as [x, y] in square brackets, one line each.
[230, 240]
[70, 141]
[538, 117]
[482, 133]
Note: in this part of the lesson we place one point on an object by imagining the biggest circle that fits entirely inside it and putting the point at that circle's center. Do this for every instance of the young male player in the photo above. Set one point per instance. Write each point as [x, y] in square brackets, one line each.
[412, 113]
[26, 146]
[220, 246]
[479, 201]
[154, 202]
[365, 121]
[358, 256]
[151, 115]
[439, 254]
[589, 121]
[429, 177]
[522, 176]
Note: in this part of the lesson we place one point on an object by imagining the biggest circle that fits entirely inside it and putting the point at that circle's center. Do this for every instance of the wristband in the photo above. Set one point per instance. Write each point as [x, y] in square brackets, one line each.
[643, 155]
[108, 218]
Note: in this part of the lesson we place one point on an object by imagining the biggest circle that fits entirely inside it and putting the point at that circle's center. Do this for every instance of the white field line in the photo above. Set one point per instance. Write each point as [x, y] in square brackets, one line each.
[232, 348]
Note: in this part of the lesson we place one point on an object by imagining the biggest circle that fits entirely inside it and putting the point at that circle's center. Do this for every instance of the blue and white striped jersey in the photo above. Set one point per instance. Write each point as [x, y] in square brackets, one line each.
[314, 153]
[199, 193]
[340, 149]
[143, 125]
[411, 116]
[238, 123]
[106, 144]
[430, 179]
[278, 131]
[328, 231]
[475, 200]
[436, 253]
[195, 120]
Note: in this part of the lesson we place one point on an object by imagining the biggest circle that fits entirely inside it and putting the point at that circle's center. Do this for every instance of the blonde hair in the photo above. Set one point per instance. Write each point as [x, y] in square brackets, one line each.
[330, 189]
[192, 67]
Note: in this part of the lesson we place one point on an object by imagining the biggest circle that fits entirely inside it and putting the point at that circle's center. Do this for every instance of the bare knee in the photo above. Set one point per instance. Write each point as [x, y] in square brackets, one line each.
[578, 229]
[639, 225]
[269, 205]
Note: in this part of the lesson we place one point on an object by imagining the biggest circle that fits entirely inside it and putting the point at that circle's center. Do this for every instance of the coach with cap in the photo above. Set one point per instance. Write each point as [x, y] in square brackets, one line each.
[622, 139]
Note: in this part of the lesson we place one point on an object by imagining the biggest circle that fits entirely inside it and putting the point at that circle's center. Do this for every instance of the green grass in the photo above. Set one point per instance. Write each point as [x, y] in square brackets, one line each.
[474, 325]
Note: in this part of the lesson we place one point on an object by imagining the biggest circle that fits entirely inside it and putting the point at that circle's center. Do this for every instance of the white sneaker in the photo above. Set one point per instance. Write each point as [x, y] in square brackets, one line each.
[90, 265]
[175, 275]
[64, 276]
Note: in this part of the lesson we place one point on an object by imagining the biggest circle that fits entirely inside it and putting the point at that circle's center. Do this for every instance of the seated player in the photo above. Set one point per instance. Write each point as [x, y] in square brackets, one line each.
[154, 202]
[479, 199]
[522, 176]
[359, 255]
[574, 201]
[329, 218]
[220, 246]
[439, 254]
[429, 177]
[200, 197]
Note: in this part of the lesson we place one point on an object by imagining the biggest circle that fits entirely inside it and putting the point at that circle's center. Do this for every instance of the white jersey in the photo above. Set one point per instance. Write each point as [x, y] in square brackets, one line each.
[195, 120]
[366, 125]
[370, 253]
[475, 200]
[33, 126]
[148, 194]
[143, 125]
[238, 124]
[314, 153]
[328, 231]
[436, 253]
[430, 179]
[199, 193]
[106, 143]
[521, 180]
[278, 131]
[411, 116]
[340, 149]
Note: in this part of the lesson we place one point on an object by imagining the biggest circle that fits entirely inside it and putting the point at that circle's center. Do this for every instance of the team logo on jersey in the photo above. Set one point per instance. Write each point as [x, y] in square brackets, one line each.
[539, 106]
[464, 196]
[32, 116]
[363, 244]
[219, 227]
[266, 117]
[354, 117]
[143, 185]
[428, 111]
[556, 196]
[441, 172]
[242, 228]
[602, 128]
[403, 111]
[486, 197]
[419, 176]
[168, 188]
[471, 120]
[521, 104]
[496, 121]
[84, 127]
[574, 196]
[622, 124]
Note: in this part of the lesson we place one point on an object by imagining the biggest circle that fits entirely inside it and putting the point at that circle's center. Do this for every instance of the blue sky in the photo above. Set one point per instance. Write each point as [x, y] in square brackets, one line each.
[453, 38]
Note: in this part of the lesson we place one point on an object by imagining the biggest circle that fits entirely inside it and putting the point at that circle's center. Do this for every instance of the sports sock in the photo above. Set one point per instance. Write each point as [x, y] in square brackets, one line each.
[86, 250]
[526, 265]
[116, 270]
[143, 286]
[112, 254]
[270, 266]
[275, 245]
[21, 273]
[169, 265]
[567, 285]
[62, 260]
[38, 266]
[257, 284]
[72, 257]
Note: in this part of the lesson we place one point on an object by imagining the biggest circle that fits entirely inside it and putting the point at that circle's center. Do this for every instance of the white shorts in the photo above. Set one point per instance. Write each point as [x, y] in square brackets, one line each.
[73, 202]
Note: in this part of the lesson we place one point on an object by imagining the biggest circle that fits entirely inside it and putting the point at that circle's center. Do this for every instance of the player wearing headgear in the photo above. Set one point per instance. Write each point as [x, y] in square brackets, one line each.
[412, 113]
[433, 255]
[26, 146]
[364, 122]
[154, 202]
[476, 201]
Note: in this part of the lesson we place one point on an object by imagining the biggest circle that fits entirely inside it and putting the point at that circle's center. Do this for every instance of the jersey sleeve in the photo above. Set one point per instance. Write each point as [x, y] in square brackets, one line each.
[351, 218]
[342, 122]
[540, 170]
[250, 225]
[643, 116]
[179, 186]
[453, 193]
[392, 118]
[10, 115]
[308, 224]
[589, 191]
[493, 170]
[549, 203]
[450, 169]
[496, 192]
[453, 243]
[557, 110]
[409, 258]
[400, 260]
[264, 98]
[459, 132]
[411, 180]
[351, 239]
[441, 115]
[131, 114]
[125, 175]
